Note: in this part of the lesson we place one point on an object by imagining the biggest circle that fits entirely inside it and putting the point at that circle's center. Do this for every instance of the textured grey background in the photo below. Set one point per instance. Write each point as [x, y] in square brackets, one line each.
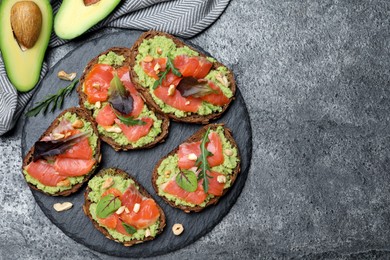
[316, 79]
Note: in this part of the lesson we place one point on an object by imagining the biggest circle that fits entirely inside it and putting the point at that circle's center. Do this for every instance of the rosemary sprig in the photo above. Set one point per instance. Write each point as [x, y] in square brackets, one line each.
[163, 75]
[129, 120]
[202, 163]
[55, 99]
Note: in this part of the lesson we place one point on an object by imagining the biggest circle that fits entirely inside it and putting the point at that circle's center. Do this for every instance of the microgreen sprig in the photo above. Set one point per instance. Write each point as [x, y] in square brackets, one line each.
[55, 99]
[162, 75]
[202, 163]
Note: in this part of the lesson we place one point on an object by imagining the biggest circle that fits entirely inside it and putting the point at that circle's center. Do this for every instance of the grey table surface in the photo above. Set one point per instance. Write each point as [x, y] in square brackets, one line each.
[316, 80]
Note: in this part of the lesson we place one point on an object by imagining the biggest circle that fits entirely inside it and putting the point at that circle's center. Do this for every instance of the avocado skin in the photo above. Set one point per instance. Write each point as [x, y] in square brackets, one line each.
[23, 68]
[74, 18]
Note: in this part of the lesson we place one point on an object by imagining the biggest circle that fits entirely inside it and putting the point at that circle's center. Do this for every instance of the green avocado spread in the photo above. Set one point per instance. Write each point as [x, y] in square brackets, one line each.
[95, 184]
[171, 164]
[113, 59]
[168, 48]
[92, 139]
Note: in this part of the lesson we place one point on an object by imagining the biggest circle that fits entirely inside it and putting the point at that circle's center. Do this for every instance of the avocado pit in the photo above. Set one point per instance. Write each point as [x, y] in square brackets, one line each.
[26, 23]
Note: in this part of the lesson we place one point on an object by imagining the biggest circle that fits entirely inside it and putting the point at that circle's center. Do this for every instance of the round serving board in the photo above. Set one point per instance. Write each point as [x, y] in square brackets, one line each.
[138, 163]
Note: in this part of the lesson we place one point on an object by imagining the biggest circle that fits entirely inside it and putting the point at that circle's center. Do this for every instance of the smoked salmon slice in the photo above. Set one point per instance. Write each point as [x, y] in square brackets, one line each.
[44, 172]
[135, 132]
[73, 167]
[149, 67]
[215, 187]
[176, 100]
[197, 67]
[81, 150]
[106, 116]
[218, 99]
[97, 83]
[147, 215]
[214, 146]
[197, 197]
[130, 197]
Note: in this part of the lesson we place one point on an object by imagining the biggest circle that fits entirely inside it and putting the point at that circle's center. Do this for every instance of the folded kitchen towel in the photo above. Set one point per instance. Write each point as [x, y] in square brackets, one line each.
[184, 18]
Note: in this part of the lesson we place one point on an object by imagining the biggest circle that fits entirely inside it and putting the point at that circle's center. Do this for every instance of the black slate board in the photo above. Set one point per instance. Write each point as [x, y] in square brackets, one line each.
[139, 163]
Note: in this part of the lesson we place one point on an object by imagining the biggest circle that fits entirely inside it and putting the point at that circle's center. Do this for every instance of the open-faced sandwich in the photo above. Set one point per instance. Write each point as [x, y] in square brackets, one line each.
[178, 80]
[122, 209]
[123, 120]
[65, 156]
[198, 172]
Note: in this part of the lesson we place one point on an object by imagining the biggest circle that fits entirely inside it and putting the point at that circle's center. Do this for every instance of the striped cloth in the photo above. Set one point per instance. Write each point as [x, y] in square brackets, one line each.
[184, 18]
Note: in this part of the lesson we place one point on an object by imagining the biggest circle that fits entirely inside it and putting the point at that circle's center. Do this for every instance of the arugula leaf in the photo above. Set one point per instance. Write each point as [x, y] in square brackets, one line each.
[130, 120]
[107, 205]
[202, 163]
[187, 180]
[163, 75]
[56, 100]
[129, 229]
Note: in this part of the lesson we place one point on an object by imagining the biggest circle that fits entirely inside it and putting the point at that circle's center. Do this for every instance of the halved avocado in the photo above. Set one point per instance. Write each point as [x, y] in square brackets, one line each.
[24, 67]
[75, 17]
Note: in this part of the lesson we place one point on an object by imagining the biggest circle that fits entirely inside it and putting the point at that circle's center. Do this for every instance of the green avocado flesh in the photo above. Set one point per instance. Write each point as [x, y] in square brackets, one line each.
[73, 180]
[95, 184]
[74, 18]
[168, 47]
[24, 67]
[171, 164]
[113, 59]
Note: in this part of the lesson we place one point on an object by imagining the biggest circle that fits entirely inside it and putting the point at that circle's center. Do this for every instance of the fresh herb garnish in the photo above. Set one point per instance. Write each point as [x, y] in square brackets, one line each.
[187, 180]
[163, 75]
[129, 229]
[190, 86]
[55, 99]
[202, 163]
[107, 205]
[44, 149]
[119, 98]
[130, 120]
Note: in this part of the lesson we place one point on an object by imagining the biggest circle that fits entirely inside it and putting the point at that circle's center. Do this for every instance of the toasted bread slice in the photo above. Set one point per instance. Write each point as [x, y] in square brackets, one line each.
[105, 135]
[115, 175]
[163, 172]
[68, 188]
[146, 91]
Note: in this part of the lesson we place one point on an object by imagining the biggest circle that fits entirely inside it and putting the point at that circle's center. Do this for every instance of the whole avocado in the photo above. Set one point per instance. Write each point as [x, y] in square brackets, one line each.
[76, 17]
[25, 29]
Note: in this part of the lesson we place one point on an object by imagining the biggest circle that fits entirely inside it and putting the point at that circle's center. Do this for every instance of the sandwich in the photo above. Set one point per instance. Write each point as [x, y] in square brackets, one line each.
[179, 80]
[200, 171]
[121, 208]
[65, 156]
[124, 120]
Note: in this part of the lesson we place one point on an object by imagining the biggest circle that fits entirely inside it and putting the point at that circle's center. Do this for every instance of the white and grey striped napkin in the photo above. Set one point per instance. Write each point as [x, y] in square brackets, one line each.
[183, 18]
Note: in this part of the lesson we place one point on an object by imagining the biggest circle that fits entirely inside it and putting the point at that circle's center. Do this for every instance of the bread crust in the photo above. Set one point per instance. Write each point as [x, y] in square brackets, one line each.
[141, 189]
[82, 113]
[194, 138]
[83, 97]
[193, 118]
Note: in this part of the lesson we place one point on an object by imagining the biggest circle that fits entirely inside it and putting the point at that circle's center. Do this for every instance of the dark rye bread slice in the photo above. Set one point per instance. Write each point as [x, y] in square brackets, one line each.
[193, 118]
[83, 97]
[194, 138]
[81, 113]
[142, 190]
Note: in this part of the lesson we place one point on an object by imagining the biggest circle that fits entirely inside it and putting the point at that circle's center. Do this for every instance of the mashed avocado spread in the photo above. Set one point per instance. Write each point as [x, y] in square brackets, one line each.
[95, 184]
[114, 59]
[92, 139]
[168, 48]
[171, 164]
